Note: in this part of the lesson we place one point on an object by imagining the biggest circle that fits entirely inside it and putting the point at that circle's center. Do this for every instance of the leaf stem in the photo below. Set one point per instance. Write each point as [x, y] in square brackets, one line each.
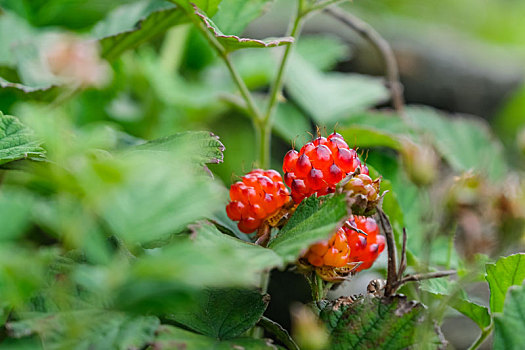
[224, 55]
[277, 87]
[482, 337]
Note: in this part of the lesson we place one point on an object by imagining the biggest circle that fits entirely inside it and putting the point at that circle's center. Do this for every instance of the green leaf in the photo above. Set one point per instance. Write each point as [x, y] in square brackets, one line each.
[132, 24]
[222, 313]
[372, 323]
[169, 337]
[86, 329]
[235, 15]
[24, 92]
[370, 137]
[315, 219]
[208, 258]
[465, 143]
[323, 51]
[506, 272]
[331, 97]
[458, 299]
[510, 325]
[234, 42]
[209, 7]
[290, 122]
[17, 141]
[205, 146]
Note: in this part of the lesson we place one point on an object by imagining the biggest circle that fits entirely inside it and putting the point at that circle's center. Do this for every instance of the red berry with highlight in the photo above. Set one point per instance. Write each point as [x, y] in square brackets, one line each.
[259, 195]
[319, 166]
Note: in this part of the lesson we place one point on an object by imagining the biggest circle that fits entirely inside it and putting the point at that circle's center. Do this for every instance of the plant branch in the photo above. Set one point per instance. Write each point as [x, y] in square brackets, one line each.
[482, 337]
[392, 276]
[382, 46]
[280, 333]
[322, 5]
[423, 276]
[403, 262]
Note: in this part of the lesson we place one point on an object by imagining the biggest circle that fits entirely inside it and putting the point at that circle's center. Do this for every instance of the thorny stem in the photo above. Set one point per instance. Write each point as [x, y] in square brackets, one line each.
[382, 46]
[423, 276]
[276, 89]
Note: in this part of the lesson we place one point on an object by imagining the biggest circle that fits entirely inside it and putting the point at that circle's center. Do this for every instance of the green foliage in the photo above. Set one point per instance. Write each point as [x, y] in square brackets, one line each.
[372, 323]
[98, 329]
[17, 141]
[510, 325]
[501, 275]
[171, 337]
[222, 313]
[235, 15]
[315, 219]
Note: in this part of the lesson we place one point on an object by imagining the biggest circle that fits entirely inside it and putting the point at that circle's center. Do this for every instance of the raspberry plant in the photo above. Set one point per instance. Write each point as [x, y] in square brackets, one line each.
[122, 227]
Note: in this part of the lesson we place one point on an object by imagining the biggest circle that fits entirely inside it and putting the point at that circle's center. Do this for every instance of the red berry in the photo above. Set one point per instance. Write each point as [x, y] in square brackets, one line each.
[364, 249]
[259, 195]
[334, 252]
[320, 165]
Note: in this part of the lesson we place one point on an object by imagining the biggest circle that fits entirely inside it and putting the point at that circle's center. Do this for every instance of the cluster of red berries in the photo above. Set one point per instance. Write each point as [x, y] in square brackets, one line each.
[259, 195]
[348, 246]
[319, 166]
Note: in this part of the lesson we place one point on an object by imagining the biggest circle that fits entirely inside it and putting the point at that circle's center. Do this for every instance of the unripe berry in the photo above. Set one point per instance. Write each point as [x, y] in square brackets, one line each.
[259, 195]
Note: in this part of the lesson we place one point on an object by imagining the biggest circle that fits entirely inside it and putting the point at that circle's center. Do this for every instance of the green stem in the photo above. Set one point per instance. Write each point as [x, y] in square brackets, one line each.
[172, 48]
[482, 337]
[323, 4]
[265, 129]
[224, 55]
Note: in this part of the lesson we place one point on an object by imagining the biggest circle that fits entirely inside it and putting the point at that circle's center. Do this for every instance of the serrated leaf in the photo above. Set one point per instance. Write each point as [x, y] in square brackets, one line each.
[169, 337]
[372, 323]
[466, 143]
[222, 313]
[315, 219]
[205, 146]
[331, 97]
[86, 329]
[17, 141]
[235, 15]
[234, 42]
[510, 325]
[501, 275]
[132, 24]
[458, 299]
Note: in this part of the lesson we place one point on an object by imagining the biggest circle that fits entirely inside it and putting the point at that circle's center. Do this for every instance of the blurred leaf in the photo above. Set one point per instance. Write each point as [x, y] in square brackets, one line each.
[501, 275]
[15, 211]
[323, 51]
[464, 143]
[289, 122]
[315, 219]
[24, 92]
[87, 329]
[510, 325]
[209, 7]
[458, 299]
[72, 14]
[158, 196]
[17, 141]
[235, 15]
[369, 137]
[331, 97]
[222, 313]
[372, 323]
[169, 337]
[132, 24]
[223, 261]
[205, 146]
